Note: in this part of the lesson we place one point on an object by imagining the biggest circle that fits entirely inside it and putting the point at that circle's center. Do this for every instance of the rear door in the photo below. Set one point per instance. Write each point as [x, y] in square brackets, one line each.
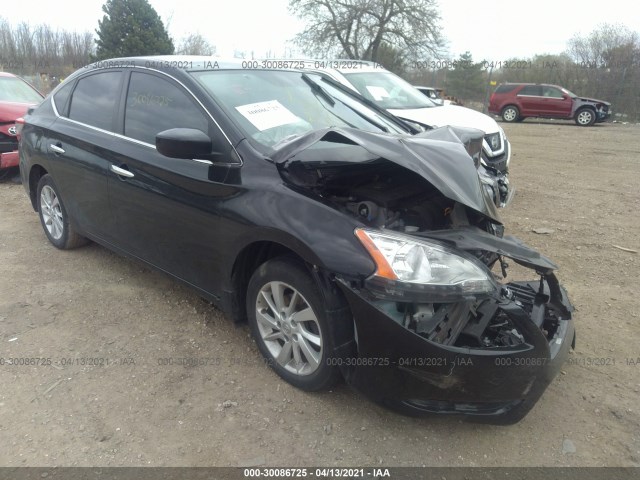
[80, 148]
[529, 100]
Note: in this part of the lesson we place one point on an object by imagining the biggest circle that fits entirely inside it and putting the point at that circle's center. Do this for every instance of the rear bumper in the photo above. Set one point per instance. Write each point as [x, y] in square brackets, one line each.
[405, 371]
[9, 159]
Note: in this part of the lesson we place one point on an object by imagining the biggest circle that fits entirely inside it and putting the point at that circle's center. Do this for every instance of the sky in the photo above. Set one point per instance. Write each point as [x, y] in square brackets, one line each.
[493, 30]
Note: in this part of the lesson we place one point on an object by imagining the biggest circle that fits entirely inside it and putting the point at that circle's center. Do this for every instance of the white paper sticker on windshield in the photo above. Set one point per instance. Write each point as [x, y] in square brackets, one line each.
[266, 115]
[378, 93]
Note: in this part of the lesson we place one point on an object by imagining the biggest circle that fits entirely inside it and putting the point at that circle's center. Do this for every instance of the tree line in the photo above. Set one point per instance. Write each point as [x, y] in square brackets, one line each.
[399, 34]
[45, 55]
[603, 64]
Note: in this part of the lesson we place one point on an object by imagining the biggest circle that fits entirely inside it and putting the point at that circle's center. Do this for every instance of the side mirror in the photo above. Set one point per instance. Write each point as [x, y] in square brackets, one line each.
[185, 143]
[565, 96]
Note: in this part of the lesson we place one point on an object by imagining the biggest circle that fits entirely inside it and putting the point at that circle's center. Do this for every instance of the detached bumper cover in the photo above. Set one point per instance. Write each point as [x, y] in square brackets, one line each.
[448, 366]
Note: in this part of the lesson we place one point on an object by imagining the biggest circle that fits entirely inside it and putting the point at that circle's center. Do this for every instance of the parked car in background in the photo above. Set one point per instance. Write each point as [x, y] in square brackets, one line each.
[400, 98]
[352, 246]
[437, 96]
[16, 96]
[516, 101]
[433, 94]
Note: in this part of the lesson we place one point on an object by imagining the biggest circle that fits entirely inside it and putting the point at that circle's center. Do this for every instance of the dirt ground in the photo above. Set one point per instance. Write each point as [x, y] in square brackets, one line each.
[109, 324]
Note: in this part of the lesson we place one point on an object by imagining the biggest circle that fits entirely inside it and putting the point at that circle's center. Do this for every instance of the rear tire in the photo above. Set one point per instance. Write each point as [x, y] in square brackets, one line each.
[54, 217]
[510, 113]
[290, 323]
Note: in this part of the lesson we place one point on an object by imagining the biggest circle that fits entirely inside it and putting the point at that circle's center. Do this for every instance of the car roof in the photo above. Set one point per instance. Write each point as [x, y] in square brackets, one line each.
[537, 84]
[7, 74]
[184, 62]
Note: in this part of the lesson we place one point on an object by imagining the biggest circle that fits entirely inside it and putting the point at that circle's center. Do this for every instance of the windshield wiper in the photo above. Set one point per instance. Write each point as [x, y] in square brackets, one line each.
[318, 89]
[332, 101]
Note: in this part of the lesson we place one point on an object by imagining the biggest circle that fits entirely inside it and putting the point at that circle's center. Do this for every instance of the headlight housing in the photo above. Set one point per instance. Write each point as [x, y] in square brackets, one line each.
[407, 266]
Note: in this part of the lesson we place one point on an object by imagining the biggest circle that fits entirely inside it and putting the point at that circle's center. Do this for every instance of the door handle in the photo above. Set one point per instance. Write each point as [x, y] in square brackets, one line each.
[56, 149]
[121, 172]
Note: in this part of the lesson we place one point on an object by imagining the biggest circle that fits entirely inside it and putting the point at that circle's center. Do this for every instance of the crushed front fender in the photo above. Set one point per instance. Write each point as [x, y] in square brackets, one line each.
[487, 359]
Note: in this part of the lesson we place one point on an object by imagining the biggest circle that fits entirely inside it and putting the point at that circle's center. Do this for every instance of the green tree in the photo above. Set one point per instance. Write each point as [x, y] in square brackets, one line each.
[466, 79]
[131, 28]
[392, 59]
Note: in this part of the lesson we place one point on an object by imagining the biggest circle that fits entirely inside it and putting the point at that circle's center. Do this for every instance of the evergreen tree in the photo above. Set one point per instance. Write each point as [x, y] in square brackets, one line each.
[131, 28]
[466, 80]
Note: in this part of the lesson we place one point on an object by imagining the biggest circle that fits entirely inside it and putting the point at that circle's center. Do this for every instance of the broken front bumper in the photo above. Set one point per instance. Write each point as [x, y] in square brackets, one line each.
[9, 159]
[448, 364]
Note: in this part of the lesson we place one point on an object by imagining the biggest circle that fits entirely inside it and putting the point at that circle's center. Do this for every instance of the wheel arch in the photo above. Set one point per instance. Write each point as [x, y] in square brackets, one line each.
[509, 105]
[586, 106]
[249, 259]
[35, 174]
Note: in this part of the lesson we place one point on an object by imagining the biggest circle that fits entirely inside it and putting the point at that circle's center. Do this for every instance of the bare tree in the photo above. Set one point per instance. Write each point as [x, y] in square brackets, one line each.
[41, 53]
[195, 44]
[359, 29]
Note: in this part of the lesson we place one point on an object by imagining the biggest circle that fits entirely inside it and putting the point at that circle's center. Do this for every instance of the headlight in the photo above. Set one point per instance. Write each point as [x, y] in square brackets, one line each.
[402, 259]
[494, 141]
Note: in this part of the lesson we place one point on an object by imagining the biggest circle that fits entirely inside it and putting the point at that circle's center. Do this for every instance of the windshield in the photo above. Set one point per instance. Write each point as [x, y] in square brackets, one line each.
[571, 94]
[274, 106]
[388, 90]
[13, 89]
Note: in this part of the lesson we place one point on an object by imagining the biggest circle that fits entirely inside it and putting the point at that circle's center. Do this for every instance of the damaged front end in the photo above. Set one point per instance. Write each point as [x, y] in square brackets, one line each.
[461, 348]
[437, 329]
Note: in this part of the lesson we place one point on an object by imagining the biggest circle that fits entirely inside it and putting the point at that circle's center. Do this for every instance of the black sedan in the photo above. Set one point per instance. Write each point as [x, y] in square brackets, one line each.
[354, 247]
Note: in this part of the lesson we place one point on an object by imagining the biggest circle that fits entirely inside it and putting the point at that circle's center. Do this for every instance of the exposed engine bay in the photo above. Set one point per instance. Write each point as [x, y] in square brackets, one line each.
[385, 196]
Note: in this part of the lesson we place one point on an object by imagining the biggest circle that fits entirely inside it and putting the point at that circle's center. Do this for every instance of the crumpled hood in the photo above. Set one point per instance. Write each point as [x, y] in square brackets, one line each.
[472, 238]
[594, 100]
[449, 115]
[10, 111]
[439, 156]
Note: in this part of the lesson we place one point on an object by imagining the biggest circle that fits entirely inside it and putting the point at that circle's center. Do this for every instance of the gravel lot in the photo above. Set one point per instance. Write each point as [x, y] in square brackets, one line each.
[108, 324]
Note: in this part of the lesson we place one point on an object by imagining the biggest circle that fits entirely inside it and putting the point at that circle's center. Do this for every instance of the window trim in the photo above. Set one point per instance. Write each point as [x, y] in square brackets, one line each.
[69, 102]
[123, 105]
[121, 114]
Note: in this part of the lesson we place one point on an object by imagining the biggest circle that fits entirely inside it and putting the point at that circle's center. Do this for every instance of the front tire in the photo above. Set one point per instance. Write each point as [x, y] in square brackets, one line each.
[585, 117]
[510, 114]
[290, 324]
[54, 217]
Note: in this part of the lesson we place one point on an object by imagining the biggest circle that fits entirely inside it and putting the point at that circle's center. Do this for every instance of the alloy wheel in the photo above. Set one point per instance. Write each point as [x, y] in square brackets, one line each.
[51, 212]
[585, 117]
[289, 328]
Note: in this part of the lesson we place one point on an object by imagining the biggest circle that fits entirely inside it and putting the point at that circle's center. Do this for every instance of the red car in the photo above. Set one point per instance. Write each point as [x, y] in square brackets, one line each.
[516, 101]
[16, 96]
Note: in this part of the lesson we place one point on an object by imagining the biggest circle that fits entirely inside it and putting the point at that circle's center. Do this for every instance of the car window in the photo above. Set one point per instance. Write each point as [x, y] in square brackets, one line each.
[60, 98]
[13, 89]
[95, 98]
[271, 106]
[155, 104]
[506, 88]
[534, 90]
[388, 90]
[552, 92]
